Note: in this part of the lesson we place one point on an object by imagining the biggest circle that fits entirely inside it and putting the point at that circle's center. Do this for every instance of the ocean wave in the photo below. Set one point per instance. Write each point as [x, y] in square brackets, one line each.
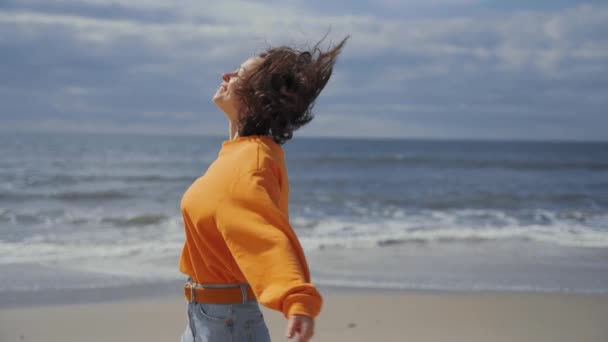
[139, 220]
[68, 196]
[438, 237]
[443, 287]
[90, 195]
[71, 179]
[61, 221]
[96, 246]
[123, 252]
[508, 200]
[361, 203]
[459, 226]
[393, 227]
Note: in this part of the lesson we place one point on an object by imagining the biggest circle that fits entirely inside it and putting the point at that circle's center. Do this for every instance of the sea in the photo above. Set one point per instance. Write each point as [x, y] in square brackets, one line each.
[96, 216]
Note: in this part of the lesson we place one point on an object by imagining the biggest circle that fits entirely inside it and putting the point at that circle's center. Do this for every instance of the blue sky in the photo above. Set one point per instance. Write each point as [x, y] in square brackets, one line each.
[412, 68]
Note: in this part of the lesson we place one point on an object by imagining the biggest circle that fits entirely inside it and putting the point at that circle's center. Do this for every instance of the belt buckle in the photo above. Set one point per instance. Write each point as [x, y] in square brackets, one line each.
[192, 292]
[244, 298]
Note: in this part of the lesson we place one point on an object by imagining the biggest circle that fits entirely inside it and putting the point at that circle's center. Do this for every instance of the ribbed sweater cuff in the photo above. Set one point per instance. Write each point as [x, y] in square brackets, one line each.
[302, 304]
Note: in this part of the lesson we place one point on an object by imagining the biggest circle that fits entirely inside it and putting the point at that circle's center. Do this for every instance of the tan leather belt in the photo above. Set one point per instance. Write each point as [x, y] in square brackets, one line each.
[218, 293]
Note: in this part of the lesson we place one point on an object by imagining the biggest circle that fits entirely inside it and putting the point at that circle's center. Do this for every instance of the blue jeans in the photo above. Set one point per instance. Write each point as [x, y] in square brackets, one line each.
[225, 322]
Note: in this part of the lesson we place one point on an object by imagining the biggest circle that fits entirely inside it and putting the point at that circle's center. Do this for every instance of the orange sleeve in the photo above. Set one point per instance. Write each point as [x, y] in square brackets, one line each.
[265, 247]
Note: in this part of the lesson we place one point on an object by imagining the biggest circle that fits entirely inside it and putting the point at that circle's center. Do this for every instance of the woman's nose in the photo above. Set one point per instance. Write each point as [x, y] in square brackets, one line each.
[225, 77]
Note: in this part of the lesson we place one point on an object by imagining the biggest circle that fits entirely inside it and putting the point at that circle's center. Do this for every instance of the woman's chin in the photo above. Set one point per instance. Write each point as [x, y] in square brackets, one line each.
[217, 97]
[225, 107]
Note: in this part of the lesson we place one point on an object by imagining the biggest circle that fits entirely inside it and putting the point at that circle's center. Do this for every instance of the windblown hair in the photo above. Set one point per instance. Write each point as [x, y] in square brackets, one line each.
[278, 97]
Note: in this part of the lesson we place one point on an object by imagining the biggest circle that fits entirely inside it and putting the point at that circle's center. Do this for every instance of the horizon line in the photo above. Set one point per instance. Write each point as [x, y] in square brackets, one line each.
[306, 136]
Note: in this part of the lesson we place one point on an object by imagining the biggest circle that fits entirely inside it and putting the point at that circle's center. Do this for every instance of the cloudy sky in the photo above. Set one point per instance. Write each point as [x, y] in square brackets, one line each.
[412, 68]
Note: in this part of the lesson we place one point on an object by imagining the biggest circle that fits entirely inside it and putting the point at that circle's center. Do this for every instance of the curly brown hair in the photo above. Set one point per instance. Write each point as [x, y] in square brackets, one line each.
[279, 95]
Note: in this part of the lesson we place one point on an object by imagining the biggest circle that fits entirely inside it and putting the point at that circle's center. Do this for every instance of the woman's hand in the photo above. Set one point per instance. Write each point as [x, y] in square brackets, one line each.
[302, 325]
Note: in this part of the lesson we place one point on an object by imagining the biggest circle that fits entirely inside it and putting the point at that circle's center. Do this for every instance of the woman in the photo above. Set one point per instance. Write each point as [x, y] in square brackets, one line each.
[240, 249]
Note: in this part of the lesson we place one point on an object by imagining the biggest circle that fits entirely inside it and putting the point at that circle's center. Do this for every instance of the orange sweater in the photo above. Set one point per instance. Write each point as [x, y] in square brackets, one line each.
[237, 227]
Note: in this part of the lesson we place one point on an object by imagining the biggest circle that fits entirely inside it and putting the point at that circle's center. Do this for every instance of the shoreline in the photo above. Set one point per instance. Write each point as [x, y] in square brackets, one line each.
[162, 290]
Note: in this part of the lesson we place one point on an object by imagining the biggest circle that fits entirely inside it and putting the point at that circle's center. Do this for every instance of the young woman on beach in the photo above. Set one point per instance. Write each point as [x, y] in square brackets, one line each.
[240, 249]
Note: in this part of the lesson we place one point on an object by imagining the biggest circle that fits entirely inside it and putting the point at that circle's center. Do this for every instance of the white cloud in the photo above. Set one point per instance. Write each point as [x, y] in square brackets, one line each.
[517, 40]
[433, 65]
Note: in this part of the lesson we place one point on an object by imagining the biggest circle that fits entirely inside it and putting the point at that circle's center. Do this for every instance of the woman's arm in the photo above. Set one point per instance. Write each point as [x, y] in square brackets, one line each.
[265, 246]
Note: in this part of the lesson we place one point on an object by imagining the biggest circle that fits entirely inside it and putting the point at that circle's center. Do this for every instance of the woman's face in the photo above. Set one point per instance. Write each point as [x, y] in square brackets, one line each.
[224, 97]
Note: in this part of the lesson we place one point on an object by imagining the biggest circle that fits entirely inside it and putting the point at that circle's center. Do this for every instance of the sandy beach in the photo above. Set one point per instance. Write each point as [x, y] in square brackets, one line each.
[349, 315]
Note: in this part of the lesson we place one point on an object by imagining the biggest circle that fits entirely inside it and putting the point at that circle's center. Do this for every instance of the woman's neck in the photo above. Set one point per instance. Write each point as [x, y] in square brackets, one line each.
[233, 131]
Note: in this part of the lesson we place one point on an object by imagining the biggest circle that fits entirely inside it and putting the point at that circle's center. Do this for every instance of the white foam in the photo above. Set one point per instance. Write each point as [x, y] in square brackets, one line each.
[422, 285]
[127, 252]
[133, 251]
[468, 225]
